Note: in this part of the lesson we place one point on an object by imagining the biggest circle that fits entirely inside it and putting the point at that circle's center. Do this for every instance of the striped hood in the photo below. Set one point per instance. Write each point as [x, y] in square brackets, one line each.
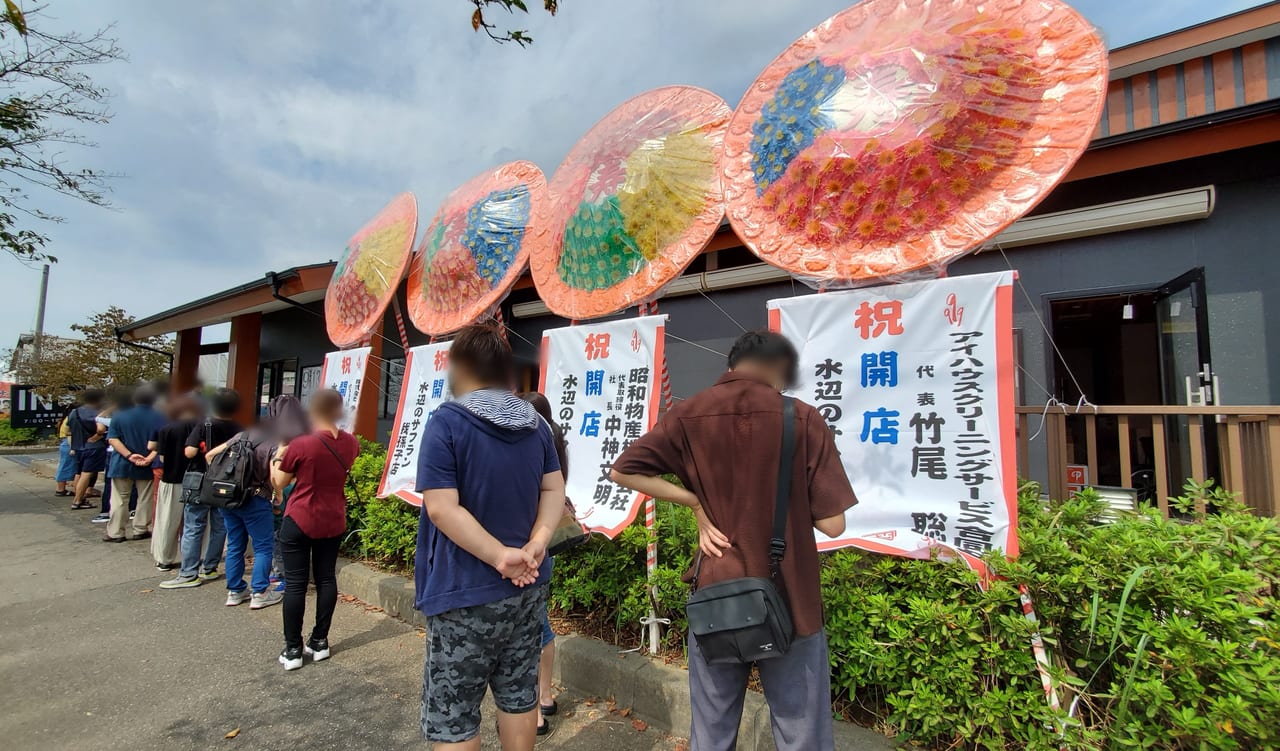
[501, 409]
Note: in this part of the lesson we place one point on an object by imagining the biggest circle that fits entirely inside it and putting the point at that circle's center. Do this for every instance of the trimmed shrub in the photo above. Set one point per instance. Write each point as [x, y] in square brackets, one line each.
[1163, 633]
[383, 530]
[11, 436]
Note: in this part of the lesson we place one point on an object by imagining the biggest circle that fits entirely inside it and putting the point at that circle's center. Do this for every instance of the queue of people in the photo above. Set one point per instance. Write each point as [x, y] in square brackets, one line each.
[491, 470]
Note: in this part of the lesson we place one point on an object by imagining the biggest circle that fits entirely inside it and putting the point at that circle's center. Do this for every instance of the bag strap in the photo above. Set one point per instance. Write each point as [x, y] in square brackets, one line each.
[778, 543]
[347, 470]
[208, 435]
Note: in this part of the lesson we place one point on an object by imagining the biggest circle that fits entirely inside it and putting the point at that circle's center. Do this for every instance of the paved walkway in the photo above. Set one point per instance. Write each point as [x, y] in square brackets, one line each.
[95, 656]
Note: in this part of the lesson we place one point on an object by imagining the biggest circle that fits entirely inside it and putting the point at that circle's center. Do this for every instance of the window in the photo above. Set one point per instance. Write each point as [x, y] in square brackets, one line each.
[392, 378]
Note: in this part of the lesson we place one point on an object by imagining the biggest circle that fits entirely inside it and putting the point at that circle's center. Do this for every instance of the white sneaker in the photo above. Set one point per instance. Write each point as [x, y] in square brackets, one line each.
[317, 650]
[265, 599]
[291, 659]
[235, 598]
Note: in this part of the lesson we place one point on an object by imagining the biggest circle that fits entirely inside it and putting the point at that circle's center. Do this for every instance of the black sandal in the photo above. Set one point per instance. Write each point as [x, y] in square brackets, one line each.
[80, 506]
[549, 709]
[544, 727]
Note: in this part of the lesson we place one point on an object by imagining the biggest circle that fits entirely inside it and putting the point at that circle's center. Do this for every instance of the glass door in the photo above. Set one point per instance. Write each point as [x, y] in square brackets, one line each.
[1186, 372]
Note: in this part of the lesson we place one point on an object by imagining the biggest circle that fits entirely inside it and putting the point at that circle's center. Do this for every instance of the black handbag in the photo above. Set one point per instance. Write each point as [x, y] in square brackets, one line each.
[193, 479]
[747, 620]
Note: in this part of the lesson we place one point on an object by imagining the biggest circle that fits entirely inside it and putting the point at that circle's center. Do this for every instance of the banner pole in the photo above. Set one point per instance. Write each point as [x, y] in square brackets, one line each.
[651, 510]
[404, 334]
[1038, 651]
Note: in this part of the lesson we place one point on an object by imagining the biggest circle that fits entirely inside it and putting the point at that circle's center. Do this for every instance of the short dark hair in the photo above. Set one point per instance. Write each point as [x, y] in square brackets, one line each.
[767, 348]
[485, 354]
[225, 403]
[93, 397]
[145, 395]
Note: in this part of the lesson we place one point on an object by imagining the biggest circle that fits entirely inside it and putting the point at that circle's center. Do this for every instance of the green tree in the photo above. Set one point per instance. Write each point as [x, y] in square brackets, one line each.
[96, 358]
[519, 36]
[44, 93]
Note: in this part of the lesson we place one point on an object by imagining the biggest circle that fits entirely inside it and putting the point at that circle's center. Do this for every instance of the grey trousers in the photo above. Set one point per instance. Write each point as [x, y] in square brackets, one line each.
[797, 687]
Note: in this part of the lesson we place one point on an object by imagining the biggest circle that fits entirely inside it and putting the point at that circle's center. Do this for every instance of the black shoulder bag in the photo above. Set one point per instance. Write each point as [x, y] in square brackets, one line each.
[747, 620]
[193, 479]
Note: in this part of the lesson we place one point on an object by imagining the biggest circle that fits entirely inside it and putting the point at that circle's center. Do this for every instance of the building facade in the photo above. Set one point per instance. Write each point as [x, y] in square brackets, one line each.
[1150, 278]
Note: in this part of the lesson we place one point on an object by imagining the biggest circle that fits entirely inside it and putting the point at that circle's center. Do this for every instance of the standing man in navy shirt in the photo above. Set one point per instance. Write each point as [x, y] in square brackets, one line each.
[130, 435]
[492, 495]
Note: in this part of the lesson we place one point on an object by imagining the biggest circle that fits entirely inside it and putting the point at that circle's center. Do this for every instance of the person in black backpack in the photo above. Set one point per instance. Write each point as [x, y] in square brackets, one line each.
[88, 445]
[198, 518]
[249, 518]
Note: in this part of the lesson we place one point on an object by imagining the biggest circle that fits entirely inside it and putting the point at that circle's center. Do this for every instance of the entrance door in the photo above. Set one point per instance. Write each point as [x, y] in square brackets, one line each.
[1186, 371]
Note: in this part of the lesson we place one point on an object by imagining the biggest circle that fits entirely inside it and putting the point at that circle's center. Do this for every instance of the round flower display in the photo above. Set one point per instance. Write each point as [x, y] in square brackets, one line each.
[369, 271]
[899, 135]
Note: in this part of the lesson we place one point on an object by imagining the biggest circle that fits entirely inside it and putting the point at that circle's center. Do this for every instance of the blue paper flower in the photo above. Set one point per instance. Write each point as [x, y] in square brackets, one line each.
[791, 119]
[495, 229]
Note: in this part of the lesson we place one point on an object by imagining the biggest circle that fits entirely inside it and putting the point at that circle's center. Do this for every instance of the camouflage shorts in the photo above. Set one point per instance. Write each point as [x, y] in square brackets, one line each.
[493, 646]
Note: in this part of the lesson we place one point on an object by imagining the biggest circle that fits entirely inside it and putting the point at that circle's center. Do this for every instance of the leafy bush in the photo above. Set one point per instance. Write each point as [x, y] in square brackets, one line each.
[379, 529]
[11, 436]
[1164, 634]
[605, 579]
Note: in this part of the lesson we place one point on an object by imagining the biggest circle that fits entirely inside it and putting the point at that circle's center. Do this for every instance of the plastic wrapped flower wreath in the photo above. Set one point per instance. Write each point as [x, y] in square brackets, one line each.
[369, 271]
[633, 203]
[477, 246]
[901, 134]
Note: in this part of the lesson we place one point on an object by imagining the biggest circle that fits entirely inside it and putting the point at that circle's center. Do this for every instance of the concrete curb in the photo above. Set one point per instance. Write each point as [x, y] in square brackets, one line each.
[20, 450]
[656, 692]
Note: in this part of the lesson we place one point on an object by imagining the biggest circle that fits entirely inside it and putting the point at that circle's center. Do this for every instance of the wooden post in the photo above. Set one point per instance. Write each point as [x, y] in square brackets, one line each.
[186, 361]
[242, 363]
[1236, 459]
[366, 422]
[1091, 446]
[1273, 453]
[1126, 461]
[1161, 463]
[1024, 445]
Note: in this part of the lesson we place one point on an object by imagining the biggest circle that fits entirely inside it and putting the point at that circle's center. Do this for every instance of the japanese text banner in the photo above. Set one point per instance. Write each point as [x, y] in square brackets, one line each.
[602, 382]
[916, 382]
[344, 372]
[424, 388]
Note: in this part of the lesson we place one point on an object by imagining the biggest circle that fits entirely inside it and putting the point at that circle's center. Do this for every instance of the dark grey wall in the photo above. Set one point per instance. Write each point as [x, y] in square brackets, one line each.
[1239, 248]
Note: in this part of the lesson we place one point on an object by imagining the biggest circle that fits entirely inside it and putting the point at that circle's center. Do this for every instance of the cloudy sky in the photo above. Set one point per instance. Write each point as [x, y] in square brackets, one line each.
[257, 136]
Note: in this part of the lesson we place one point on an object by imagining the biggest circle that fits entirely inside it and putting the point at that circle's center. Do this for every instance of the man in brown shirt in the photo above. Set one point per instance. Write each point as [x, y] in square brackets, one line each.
[724, 445]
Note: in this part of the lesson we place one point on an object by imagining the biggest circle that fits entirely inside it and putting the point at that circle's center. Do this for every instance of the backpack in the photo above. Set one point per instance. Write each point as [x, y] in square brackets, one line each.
[228, 480]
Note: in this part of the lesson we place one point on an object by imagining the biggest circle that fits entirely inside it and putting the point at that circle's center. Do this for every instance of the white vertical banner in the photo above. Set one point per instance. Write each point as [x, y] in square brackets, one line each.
[423, 389]
[916, 382]
[343, 371]
[602, 380]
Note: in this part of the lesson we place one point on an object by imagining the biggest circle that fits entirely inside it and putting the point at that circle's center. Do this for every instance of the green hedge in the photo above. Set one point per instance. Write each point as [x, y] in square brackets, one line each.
[11, 436]
[1164, 634]
[384, 530]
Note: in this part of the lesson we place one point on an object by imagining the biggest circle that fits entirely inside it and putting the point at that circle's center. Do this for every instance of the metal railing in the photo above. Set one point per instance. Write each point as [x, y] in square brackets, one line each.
[1152, 449]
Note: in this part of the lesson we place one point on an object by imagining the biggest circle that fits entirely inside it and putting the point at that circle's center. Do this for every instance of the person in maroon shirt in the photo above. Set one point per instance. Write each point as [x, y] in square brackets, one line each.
[724, 444]
[315, 518]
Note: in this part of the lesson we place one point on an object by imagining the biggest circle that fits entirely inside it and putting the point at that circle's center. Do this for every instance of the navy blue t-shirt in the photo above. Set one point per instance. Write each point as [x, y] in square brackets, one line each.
[498, 475]
[134, 428]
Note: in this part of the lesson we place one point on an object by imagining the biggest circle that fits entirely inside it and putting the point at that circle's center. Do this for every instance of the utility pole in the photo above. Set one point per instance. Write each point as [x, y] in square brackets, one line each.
[38, 343]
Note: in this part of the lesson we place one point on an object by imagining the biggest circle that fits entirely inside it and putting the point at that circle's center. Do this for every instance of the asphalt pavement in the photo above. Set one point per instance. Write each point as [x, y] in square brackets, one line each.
[96, 656]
